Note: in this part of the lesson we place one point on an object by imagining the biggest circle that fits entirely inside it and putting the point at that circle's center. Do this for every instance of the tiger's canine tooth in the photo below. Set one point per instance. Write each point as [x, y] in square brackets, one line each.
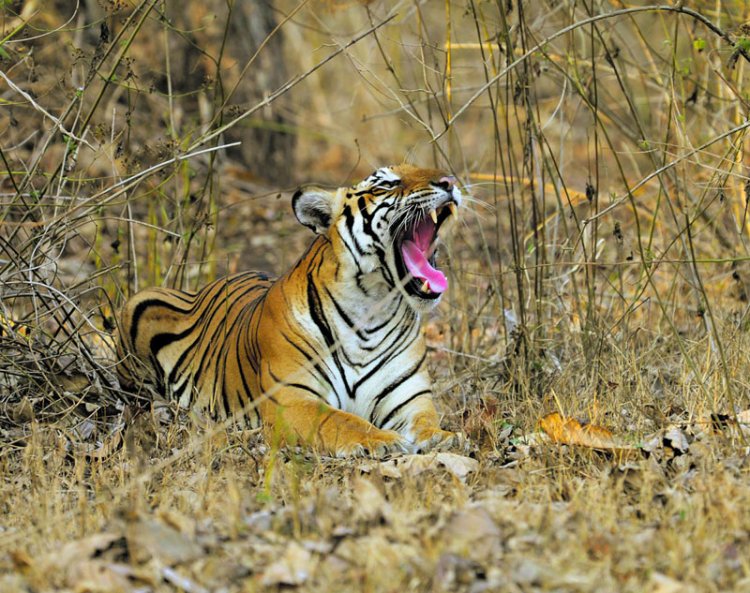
[425, 286]
[453, 208]
[433, 215]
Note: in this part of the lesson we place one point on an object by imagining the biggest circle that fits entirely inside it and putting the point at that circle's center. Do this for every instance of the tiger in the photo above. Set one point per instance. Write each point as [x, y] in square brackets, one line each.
[331, 354]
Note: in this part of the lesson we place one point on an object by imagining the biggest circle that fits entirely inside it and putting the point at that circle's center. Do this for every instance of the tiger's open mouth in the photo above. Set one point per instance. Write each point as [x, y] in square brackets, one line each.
[416, 248]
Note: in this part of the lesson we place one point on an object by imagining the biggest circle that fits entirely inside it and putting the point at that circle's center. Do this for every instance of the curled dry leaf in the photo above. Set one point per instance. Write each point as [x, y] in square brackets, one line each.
[459, 465]
[411, 465]
[675, 438]
[568, 431]
[102, 449]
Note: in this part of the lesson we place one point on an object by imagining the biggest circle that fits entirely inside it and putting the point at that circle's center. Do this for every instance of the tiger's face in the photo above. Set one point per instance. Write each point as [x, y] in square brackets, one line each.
[387, 228]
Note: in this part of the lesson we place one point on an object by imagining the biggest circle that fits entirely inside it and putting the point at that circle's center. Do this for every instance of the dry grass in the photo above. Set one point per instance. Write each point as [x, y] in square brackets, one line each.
[600, 271]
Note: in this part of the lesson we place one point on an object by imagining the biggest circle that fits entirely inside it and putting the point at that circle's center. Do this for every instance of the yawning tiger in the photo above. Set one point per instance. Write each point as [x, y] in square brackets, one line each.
[331, 353]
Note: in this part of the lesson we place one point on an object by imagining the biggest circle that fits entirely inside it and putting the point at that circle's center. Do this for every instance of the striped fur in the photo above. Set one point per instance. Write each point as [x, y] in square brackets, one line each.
[332, 352]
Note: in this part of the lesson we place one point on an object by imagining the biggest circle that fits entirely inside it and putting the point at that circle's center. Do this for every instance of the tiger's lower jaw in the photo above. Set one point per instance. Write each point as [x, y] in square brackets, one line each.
[419, 292]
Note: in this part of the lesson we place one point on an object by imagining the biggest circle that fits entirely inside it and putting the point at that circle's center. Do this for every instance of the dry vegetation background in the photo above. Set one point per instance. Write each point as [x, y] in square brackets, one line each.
[600, 271]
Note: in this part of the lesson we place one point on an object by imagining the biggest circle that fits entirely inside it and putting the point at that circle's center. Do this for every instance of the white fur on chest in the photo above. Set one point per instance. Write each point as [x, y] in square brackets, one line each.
[376, 360]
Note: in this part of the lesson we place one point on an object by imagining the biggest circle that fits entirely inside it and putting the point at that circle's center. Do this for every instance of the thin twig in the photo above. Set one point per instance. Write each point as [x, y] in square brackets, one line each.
[58, 124]
[578, 25]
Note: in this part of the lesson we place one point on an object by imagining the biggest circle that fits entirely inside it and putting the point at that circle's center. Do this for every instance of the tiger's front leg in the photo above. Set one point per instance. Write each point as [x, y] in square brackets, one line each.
[294, 417]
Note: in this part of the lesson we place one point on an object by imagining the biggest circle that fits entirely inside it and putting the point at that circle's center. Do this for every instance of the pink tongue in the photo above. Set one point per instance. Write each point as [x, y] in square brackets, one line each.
[416, 262]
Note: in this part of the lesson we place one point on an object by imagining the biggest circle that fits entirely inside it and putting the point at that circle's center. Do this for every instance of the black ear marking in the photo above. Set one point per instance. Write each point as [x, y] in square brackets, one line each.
[313, 208]
[297, 195]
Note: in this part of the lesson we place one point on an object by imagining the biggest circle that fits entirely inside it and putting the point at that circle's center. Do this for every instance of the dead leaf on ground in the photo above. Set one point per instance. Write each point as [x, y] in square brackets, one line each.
[733, 424]
[148, 538]
[75, 563]
[661, 583]
[101, 449]
[568, 431]
[668, 443]
[675, 438]
[74, 552]
[293, 568]
[474, 533]
[528, 572]
[101, 576]
[371, 504]
[377, 554]
[459, 466]
[453, 570]
[181, 582]
[740, 420]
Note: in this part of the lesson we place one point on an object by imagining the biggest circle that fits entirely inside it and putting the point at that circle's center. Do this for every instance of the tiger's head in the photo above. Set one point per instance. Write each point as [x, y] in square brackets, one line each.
[386, 228]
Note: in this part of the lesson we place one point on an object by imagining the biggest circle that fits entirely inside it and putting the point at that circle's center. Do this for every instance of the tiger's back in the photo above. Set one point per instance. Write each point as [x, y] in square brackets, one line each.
[192, 345]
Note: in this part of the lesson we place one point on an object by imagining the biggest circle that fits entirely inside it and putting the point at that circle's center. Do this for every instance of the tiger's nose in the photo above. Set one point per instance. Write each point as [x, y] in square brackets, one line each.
[446, 183]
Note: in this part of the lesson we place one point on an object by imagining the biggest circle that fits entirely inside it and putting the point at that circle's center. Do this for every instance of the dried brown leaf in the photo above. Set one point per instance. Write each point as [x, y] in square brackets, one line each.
[459, 465]
[568, 431]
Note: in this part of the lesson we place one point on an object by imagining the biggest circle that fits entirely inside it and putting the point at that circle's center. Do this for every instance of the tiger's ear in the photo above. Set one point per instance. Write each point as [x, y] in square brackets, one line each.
[314, 208]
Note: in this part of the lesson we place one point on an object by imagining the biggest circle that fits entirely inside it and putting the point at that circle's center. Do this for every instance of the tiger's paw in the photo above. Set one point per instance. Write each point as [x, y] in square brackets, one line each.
[376, 444]
[437, 439]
